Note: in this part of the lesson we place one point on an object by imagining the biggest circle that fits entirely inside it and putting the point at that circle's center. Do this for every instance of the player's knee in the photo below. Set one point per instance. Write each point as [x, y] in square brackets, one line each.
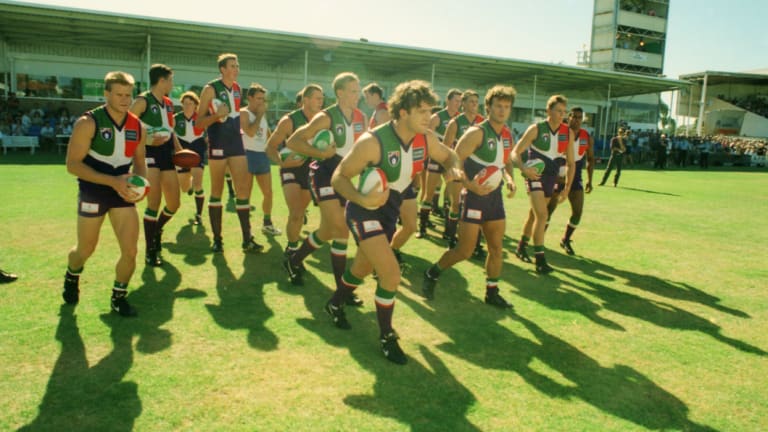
[494, 249]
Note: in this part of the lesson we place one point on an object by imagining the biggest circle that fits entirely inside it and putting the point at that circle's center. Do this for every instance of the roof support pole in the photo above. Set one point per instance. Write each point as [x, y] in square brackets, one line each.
[533, 99]
[147, 60]
[306, 67]
[688, 114]
[607, 113]
[433, 76]
[700, 120]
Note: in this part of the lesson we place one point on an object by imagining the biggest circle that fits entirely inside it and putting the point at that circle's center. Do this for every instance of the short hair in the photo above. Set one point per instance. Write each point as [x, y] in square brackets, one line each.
[500, 92]
[451, 93]
[469, 93]
[118, 77]
[309, 89]
[374, 88]
[556, 99]
[577, 109]
[342, 79]
[300, 96]
[191, 96]
[409, 95]
[223, 58]
[255, 88]
[157, 71]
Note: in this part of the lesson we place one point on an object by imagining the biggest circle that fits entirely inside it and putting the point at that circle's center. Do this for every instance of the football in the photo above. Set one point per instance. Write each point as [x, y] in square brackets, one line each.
[287, 154]
[322, 140]
[490, 175]
[536, 164]
[139, 185]
[186, 158]
[214, 108]
[372, 178]
[161, 132]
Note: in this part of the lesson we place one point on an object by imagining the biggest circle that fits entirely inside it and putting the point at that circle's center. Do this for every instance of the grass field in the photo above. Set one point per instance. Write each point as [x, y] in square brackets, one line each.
[659, 323]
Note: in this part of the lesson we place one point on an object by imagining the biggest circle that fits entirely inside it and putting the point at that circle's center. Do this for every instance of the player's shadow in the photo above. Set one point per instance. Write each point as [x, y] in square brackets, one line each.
[661, 287]
[192, 243]
[552, 292]
[447, 402]
[82, 397]
[241, 301]
[155, 299]
[647, 191]
[653, 311]
[619, 390]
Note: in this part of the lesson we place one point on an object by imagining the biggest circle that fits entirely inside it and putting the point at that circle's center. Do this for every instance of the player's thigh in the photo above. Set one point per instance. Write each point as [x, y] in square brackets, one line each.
[494, 234]
[538, 203]
[125, 224]
[265, 183]
[170, 183]
[332, 218]
[408, 213]
[88, 229]
[377, 251]
[238, 168]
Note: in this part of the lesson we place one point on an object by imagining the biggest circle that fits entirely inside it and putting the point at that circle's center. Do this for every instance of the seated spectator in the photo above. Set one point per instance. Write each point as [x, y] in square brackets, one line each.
[18, 128]
[37, 119]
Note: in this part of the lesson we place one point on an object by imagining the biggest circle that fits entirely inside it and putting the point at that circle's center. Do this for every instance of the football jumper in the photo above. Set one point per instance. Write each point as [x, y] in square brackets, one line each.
[372, 122]
[582, 143]
[224, 137]
[111, 152]
[190, 136]
[550, 147]
[494, 150]
[299, 174]
[157, 114]
[345, 133]
[401, 163]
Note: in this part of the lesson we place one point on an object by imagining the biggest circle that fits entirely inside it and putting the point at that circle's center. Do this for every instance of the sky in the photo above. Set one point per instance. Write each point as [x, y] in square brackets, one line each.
[701, 35]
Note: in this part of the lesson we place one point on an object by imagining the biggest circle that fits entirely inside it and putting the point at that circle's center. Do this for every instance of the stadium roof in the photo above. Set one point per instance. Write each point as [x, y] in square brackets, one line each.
[715, 77]
[21, 23]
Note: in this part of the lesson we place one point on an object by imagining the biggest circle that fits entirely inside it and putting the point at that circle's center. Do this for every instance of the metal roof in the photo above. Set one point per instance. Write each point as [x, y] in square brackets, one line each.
[717, 77]
[21, 23]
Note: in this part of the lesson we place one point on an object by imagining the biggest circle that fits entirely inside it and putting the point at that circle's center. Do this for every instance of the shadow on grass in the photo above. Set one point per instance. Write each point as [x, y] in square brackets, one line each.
[192, 243]
[424, 398]
[90, 398]
[619, 390]
[155, 299]
[655, 312]
[647, 191]
[241, 301]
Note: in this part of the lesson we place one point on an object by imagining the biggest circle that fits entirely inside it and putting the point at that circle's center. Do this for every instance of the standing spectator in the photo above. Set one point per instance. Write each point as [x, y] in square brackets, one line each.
[618, 148]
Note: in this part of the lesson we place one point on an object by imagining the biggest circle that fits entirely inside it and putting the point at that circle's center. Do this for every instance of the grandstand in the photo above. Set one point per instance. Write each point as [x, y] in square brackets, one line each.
[729, 103]
[50, 53]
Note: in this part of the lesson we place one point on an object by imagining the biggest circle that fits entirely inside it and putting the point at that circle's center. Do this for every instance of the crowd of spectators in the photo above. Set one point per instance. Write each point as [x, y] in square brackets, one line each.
[41, 120]
[646, 146]
[757, 104]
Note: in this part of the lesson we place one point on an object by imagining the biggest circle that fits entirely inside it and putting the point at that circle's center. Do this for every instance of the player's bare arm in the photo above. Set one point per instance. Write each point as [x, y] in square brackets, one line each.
[364, 153]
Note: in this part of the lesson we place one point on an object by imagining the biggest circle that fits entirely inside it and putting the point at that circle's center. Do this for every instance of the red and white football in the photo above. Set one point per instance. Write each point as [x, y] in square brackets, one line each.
[372, 178]
[490, 175]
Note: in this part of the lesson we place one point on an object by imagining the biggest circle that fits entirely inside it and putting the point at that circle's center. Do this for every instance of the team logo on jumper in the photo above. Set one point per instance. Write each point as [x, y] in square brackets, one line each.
[491, 144]
[394, 158]
[106, 133]
[339, 128]
[546, 137]
[223, 96]
[154, 109]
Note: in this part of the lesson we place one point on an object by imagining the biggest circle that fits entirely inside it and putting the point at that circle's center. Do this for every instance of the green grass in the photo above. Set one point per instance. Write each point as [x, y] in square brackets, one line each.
[658, 324]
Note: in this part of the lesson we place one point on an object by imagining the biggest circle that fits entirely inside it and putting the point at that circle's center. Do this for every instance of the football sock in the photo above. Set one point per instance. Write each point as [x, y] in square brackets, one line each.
[491, 286]
[310, 244]
[243, 208]
[349, 283]
[214, 213]
[150, 225]
[385, 306]
[119, 289]
[199, 201]
[338, 260]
